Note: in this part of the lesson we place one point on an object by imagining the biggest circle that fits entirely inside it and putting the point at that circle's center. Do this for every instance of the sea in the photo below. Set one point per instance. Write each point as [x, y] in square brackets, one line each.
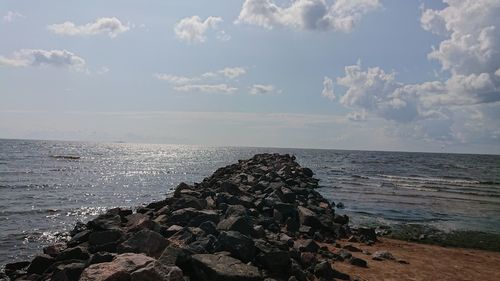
[48, 186]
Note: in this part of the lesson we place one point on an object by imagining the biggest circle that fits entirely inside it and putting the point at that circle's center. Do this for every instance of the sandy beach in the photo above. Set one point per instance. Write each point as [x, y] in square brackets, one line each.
[425, 262]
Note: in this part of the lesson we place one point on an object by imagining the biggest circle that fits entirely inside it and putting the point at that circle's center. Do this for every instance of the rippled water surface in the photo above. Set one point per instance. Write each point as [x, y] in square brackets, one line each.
[43, 194]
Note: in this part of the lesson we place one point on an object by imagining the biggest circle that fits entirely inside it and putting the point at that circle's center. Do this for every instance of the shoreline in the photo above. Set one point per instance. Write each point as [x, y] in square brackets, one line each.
[261, 218]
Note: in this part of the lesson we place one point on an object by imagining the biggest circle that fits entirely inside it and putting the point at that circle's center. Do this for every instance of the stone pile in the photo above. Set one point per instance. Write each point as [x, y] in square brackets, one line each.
[259, 219]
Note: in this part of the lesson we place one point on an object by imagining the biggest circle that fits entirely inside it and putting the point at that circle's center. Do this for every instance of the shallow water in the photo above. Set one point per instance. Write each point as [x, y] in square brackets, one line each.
[43, 195]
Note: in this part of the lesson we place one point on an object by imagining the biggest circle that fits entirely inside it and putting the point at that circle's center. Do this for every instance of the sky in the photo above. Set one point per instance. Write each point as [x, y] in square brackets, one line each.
[338, 74]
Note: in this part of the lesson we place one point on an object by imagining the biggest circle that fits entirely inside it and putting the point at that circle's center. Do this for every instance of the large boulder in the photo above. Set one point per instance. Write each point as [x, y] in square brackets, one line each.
[40, 263]
[145, 241]
[239, 245]
[207, 267]
[119, 269]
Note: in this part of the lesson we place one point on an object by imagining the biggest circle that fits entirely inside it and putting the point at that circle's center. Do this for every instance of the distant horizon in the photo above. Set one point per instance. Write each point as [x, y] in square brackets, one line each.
[244, 146]
[374, 75]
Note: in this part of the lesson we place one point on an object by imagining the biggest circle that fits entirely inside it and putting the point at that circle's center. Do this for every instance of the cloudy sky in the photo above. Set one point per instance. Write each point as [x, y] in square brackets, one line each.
[346, 74]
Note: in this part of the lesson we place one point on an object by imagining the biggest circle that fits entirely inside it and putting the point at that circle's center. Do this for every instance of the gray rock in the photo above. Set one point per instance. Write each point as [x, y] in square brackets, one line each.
[157, 272]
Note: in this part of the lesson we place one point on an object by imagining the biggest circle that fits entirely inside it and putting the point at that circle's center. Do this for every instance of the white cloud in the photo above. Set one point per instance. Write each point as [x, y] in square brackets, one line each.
[206, 88]
[259, 89]
[110, 26]
[473, 35]
[193, 29]
[328, 88]
[449, 110]
[12, 16]
[36, 57]
[175, 79]
[357, 116]
[233, 72]
[342, 15]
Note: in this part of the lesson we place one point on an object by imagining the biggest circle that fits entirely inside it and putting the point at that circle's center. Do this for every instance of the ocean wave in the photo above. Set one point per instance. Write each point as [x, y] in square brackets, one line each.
[447, 180]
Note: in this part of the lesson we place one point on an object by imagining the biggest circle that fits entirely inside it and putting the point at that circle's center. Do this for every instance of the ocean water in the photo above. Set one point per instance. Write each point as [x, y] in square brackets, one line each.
[43, 195]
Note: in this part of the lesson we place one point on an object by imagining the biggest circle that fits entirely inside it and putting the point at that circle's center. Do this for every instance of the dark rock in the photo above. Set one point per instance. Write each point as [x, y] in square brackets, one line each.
[209, 227]
[40, 263]
[307, 172]
[358, 262]
[79, 238]
[145, 241]
[325, 270]
[172, 230]
[12, 267]
[341, 219]
[68, 272]
[351, 248]
[308, 259]
[236, 211]
[240, 224]
[275, 261]
[109, 220]
[100, 238]
[308, 217]
[101, 257]
[206, 267]
[307, 246]
[344, 254]
[173, 255]
[75, 253]
[239, 245]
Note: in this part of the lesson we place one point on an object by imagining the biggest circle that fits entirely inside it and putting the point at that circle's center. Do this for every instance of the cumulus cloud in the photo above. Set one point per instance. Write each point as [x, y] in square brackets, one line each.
[452, 109]
[110, 26]
[233, 72]
[259, 89]
[37, 57]
[206, 88]
[193, 29]
[342, 15]
[328, 88]
[12, 16]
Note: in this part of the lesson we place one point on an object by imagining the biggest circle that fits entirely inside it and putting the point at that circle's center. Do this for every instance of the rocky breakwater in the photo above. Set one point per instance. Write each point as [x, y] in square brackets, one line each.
[259, 219]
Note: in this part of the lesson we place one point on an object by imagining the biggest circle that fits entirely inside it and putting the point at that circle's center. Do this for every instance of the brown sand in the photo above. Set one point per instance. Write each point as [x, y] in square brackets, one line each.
[426, 262]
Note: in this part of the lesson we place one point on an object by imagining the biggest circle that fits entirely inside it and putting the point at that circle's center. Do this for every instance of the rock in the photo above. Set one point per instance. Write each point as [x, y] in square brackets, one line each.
[209, 227]
[105, 240]
[117, 270]
[172, 230]
[68, 272]
[240, 224]
[209, 267]
[307, 172]
[325, 270]
[40, 263]
[236, 211]
[307, 246]
[12, 267]
[275, 261]
[79, 238]
[344, 254]
[259, 231]
[307, 259]
[54, 250]
[341, 219]
[308, 217]
[173, 255]
[239, 245]
[351, 248]
[75, 253]
[358, 262]
[145, 241]
[109, 220]
[157, 272]
[382, 255]
[101, 257]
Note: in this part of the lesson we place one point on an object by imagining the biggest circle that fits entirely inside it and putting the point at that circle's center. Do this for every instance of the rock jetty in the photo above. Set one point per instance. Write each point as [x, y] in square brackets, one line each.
[259, 219]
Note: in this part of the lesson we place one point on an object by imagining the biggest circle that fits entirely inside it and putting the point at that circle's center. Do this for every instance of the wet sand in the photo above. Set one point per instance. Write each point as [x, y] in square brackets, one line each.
[426, 262]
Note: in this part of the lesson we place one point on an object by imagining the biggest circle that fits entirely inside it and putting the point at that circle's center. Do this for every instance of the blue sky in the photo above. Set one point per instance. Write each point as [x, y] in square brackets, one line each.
[364, 74]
